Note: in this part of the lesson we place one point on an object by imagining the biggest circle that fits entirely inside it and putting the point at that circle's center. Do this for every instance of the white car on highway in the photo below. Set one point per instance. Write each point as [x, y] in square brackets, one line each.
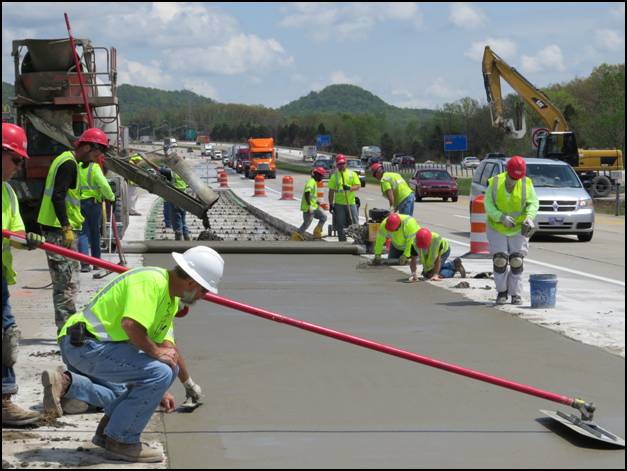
[470, 162]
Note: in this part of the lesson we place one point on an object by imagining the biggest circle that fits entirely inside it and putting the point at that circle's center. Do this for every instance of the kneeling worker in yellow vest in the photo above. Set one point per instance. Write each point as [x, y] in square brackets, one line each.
[433, 251]
[402, 231]
[125, 336]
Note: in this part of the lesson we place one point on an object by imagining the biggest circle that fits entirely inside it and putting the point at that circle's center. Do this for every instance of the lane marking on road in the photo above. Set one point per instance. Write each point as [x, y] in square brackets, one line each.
[557, 267]
[460, 216]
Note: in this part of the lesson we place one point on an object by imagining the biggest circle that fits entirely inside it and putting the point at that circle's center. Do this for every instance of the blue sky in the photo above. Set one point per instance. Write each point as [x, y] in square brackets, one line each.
[409, 54]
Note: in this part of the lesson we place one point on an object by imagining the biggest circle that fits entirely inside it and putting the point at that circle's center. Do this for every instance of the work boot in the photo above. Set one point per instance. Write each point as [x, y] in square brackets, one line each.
[74, 406]
[317, 232]
[501, 298]
[186, 236]
[16, 416]
[55, 384]
[132, 212]
[178, 236]
[100, 439]
[133, 452]
[516, 300]
[457, 263]
[297, 236]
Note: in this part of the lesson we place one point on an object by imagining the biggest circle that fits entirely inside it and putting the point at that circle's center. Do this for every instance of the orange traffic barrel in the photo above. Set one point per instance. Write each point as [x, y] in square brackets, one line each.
[320, 196]
[223, 179]
[260, 186]
[287, 190]
[479, 245]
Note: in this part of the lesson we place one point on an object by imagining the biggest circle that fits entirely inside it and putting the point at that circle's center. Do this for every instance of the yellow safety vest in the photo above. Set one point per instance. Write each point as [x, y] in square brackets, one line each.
[428, 256]
[511, 204]
[400, 238]
[47, 215]
[11, 220]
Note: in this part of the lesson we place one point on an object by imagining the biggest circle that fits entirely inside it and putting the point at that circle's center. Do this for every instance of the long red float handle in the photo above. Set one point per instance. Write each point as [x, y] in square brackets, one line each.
[325, 331]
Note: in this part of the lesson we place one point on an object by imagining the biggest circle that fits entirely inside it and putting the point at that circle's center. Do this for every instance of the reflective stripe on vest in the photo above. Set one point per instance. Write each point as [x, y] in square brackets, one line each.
[89, 315]
[47, 215]
[428, 259]
[68, 199]
[495, 190]
[88, 186]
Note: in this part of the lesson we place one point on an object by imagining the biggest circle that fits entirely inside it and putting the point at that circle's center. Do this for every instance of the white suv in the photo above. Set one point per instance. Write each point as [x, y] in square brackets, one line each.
[470, 162]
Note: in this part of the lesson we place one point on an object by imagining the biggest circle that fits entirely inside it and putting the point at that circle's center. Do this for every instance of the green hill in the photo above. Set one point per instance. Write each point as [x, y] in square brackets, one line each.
[134, 99]
[7, 91]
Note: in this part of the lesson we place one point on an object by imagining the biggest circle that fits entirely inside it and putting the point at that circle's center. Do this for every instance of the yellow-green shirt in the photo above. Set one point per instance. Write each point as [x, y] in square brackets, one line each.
[94, 184]
[11, 220]
[336, 183]
[311, 187]
[402, 238]
[398, 185]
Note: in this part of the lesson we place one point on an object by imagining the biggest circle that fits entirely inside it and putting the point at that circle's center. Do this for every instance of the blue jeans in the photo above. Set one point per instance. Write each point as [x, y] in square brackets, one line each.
[167, 214]
[178, 220]
[447, 269]
[127, 383]
[407, 205]
[9, 385]
[90, 234]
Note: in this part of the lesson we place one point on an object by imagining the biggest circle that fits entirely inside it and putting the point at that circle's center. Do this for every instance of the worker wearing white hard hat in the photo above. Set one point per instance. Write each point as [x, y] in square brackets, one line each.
[125, 337]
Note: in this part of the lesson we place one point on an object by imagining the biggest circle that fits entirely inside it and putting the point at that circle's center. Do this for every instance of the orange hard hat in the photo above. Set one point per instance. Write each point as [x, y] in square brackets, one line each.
[340, 159]
[393, 222]
[375, 167]
[94, 136]
[14, 139]
[319, 171]
[516, 167]
[423, 238]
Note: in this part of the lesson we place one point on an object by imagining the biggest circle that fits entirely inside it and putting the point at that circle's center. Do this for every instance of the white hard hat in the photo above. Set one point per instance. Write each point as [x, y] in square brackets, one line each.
[203, 264]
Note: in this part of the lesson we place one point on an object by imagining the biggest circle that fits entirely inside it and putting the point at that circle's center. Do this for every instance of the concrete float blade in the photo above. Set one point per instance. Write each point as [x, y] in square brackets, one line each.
[587, 429]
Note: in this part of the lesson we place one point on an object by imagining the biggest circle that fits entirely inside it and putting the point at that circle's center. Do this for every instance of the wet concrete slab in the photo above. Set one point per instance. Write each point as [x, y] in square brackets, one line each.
[279, 397]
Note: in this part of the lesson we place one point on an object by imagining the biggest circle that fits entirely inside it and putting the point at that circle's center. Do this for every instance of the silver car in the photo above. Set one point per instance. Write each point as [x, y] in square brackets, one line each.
[565, 206]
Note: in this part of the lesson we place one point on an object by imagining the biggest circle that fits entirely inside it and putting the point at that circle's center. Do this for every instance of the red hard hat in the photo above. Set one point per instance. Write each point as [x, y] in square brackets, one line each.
[393, 222]
[423, 238]
[94, 136]
[375, 167]
[14, 139]
[340, 159]
[516, 167]
[319, 171]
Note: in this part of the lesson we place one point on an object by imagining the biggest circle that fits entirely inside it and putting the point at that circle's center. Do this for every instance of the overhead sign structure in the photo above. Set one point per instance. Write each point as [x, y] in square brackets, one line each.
[537, 134]
[323, 140]
[455, 143]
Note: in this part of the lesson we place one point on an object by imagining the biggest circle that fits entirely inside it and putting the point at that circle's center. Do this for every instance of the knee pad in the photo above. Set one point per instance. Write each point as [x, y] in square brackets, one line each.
[10, 342]
[516, 263]
[499, 262]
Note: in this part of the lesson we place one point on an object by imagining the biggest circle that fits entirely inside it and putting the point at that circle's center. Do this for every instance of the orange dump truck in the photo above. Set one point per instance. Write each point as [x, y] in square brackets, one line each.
[262, 158]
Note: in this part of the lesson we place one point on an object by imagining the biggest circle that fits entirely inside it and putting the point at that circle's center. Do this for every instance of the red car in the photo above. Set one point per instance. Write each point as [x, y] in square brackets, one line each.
[434, 183]
[242, 160]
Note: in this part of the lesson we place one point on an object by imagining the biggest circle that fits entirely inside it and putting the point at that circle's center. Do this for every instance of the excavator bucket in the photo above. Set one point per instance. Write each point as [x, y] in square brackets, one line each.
[584, 427]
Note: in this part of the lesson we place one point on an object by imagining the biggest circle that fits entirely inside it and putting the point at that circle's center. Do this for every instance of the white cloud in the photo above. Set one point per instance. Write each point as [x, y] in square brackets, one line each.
[549, 58]
[466, 16]
[610, 40]
[339, 77]
[323, 21]
[506, 48]
[442, 89]
[201, 87]
[146, 75]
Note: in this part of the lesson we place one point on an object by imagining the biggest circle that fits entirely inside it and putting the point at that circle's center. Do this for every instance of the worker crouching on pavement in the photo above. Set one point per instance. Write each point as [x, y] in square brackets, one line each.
[394, 187]
[125, 336]
[511, 205]
[61, 218]
[310, 206]
[342, 187]
[14, 146]
[433, 251]
[402, 231]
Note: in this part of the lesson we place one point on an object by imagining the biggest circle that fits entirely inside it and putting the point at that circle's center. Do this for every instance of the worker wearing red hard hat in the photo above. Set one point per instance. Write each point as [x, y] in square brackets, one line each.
[14, 153]
[61, 218]
[511, 205]
[310, 206]
[394, 187]
[433, 251]
[342, 201]
[401, 229]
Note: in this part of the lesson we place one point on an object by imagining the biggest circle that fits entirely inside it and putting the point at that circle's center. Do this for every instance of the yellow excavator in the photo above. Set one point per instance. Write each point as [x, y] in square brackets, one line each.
[560, 142]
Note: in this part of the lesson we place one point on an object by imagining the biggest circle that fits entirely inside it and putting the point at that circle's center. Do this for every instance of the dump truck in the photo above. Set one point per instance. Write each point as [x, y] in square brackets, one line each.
[262, 158]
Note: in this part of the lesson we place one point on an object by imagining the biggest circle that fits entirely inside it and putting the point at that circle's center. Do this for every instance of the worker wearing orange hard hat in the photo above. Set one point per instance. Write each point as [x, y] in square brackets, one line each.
[433, 251]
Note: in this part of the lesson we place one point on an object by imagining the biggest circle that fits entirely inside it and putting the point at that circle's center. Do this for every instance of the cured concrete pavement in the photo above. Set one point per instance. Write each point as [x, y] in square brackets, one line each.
[280, 397]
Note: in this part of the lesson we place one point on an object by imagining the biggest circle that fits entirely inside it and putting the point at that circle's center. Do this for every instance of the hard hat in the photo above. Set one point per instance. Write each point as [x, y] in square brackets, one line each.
[340, 159]
[14, 139]
[375, 167]
[94, 136]
[423, 238]
[393, 222]
[319, 171]
[203, 264]
[516, 167]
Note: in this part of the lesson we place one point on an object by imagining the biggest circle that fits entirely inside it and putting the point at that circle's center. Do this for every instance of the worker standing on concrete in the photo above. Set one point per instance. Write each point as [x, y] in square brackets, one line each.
[177, 215]
[511, 205]
[310, 206]
[395, 189]
[342, 187]
[61, 219]
[135, 159]
[434, 251]
[14, 146]
[94, 188]
[125, 335]
[401, 229]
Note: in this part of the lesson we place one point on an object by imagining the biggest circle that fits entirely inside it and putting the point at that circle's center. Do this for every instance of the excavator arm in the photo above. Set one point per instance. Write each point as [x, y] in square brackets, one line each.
[495, 68]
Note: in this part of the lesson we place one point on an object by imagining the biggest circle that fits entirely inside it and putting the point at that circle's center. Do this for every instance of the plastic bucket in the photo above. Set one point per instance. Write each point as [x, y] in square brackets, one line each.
[543, 290]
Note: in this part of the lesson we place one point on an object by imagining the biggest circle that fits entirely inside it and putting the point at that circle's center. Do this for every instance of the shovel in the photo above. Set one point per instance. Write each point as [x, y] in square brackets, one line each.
[583, 425]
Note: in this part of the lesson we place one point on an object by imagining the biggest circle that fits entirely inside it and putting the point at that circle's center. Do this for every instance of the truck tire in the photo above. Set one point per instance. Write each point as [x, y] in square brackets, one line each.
[600, 187]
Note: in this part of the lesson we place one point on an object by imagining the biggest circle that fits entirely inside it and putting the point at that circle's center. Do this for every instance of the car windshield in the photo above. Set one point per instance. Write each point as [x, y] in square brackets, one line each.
[262, 155]
[353, 163]
[433, 175]
[322, 163]
[552, 176]
[471, 158]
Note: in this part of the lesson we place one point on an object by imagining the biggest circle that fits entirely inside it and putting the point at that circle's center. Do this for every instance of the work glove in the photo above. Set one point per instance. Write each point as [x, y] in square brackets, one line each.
[507, 221]
[33, 240]
[376, 260]
[528, 227]
[402, 260]
[346, 188]
[192, 390]
[68, 236]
